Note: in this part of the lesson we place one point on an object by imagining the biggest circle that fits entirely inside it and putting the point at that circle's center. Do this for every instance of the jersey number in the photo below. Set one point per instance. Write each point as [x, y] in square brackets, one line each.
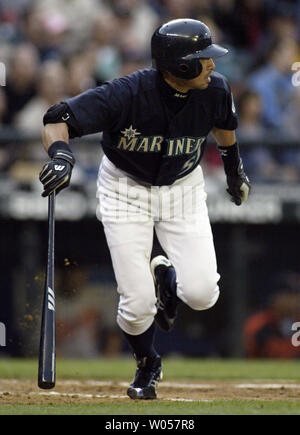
[192, 161]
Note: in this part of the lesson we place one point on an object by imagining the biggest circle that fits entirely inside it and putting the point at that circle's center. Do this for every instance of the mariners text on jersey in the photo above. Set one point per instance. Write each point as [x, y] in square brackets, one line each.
[152, 144]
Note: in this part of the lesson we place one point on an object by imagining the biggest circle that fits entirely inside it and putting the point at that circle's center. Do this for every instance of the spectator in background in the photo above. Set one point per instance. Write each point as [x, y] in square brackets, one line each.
[4, 156]
[262, 162]
[181, 8]
[7, 148]
[273, 81]
[105, 39]
[243, 22]
[131, 63]
[136, 23]
[3, 106]
[291, 117]
[71, 21]
[250, 116]
[297, 14]
[259, 160]
[282, 25]
[80, 69]
[290, 157]
[50, 90]
[268, 333]
[21, 79]
[45, 31]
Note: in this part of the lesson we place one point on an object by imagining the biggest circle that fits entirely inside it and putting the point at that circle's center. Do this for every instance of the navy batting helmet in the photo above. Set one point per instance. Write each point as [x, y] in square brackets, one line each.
[178, 45]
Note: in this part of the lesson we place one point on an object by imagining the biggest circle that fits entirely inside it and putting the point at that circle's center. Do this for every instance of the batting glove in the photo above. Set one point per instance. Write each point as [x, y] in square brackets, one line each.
[238, 185]
[56, 174]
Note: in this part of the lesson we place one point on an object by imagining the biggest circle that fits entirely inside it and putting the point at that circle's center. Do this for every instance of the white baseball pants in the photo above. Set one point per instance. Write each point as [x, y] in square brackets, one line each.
[129, 212]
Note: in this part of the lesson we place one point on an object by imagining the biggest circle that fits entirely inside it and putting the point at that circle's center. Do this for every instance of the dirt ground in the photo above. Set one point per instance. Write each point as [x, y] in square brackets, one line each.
[27, 392]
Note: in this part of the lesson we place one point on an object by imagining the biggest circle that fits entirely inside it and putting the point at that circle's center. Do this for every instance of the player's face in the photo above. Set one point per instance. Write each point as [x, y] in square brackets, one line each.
[203, 79]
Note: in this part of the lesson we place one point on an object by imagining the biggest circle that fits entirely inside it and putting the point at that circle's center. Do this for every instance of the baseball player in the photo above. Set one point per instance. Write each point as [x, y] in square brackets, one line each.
[155, 123]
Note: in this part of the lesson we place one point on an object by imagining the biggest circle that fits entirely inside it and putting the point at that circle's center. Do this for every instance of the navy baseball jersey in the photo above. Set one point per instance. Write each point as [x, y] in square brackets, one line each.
[150, 130]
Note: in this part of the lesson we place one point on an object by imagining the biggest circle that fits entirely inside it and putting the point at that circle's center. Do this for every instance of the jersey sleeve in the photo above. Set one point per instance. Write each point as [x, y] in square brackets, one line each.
[61, 112]
[226, 116]
[97, 109]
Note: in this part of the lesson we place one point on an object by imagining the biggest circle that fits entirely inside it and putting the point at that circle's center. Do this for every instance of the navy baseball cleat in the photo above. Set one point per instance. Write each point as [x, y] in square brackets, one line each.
[164, 276]
[147, 376]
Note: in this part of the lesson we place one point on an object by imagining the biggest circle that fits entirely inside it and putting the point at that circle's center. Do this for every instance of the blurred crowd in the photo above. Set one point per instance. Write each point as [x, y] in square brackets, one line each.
[53, 49]
[268, 331]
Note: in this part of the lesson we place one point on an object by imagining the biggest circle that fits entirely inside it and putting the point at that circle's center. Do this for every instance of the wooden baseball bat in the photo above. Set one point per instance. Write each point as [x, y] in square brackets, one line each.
[47, 353]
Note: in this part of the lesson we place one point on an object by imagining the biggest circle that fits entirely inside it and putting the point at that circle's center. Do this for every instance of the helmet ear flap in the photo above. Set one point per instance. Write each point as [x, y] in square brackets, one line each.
[183, 67]
[188, 69]
[199, 66]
